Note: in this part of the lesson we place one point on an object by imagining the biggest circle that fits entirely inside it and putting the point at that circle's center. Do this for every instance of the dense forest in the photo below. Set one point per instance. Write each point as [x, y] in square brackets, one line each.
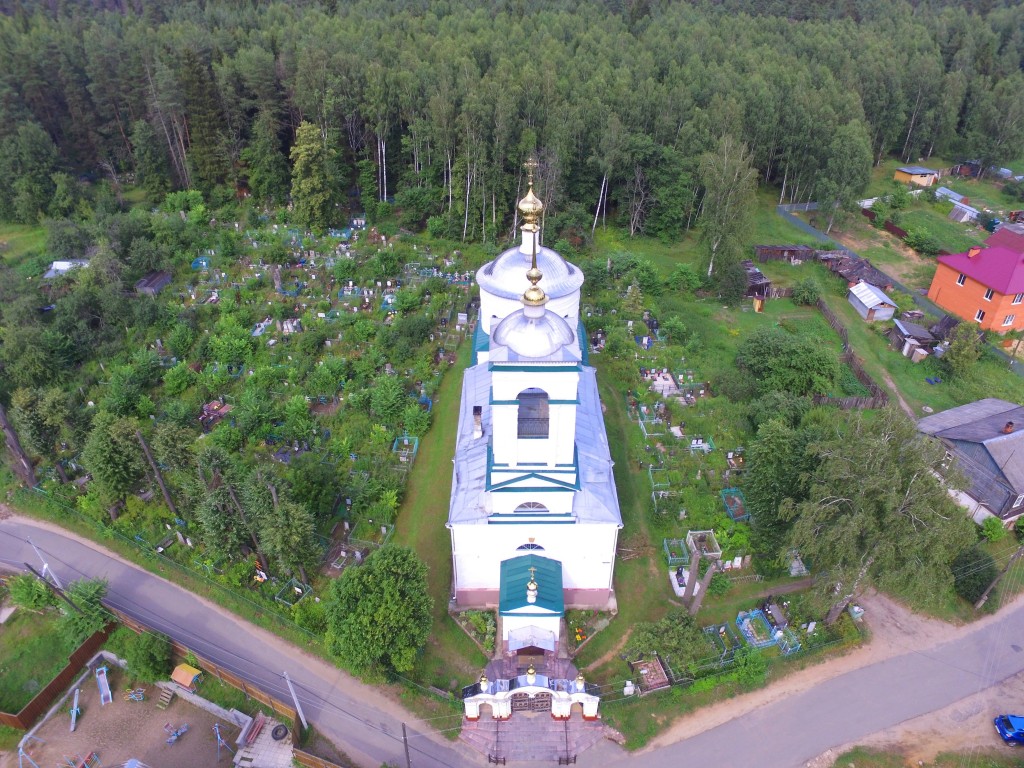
[433, 106]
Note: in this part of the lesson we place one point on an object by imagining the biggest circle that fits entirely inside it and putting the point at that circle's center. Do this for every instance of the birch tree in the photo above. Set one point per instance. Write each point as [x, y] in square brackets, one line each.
[877, 514]
[730, 181]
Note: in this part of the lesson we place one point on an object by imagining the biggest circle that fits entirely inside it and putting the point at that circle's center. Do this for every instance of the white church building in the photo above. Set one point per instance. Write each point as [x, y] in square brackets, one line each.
[534, 516]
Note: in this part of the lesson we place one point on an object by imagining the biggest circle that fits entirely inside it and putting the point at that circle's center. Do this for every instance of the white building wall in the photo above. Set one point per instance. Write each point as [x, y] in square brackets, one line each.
[507, 383]
[586, 551]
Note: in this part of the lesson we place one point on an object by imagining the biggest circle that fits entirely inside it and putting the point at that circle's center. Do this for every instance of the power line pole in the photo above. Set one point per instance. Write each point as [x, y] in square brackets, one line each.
[405, 740]
[1013, 558]
[295, 699]
[58, 592]
[46, 565]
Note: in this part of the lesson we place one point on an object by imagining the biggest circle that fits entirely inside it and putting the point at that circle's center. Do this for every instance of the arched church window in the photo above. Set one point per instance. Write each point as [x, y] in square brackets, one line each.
[533, 413]
[530, 546]
[532, 506]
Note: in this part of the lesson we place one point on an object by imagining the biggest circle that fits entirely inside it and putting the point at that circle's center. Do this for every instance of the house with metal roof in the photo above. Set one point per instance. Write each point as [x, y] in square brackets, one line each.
[871, 302]
[945, 193]
[1009, 236]
[984, 441]
[917, 175]
[64, 266]
[152, 283]
[982, 285]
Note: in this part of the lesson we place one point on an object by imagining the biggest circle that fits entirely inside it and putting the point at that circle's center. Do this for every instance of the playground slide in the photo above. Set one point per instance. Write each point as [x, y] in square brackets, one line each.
[104, 686]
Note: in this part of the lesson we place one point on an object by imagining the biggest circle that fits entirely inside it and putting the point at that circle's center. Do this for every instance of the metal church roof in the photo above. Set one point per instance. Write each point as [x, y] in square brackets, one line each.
[515, 574]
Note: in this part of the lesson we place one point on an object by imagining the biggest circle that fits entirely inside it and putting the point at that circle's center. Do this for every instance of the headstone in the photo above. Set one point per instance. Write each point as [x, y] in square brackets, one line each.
[181, 538]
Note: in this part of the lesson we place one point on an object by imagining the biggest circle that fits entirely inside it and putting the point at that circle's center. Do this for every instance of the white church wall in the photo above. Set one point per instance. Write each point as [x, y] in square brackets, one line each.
[507, 383]
[586, 551]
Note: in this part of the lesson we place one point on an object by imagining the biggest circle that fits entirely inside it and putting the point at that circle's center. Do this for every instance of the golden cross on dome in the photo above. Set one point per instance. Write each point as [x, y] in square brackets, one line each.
[533, 570]
[531, 164]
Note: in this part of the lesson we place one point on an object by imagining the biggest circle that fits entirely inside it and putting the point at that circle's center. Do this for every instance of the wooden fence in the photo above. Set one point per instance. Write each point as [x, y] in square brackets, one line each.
[43, 700]
[894, 230]
[837, 326]
[878, 398]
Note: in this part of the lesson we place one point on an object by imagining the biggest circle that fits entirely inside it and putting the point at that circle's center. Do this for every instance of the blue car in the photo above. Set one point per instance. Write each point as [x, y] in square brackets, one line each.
[1011, 729]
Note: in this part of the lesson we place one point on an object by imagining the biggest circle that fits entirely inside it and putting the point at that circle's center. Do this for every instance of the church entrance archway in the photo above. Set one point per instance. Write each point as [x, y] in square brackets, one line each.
[523, 702]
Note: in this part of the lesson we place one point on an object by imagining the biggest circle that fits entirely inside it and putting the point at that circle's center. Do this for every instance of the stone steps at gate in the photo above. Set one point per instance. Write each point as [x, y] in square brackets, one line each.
[527, 737]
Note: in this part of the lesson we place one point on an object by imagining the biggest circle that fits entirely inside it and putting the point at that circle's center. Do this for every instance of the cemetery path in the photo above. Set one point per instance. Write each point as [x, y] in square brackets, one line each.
[915, 676]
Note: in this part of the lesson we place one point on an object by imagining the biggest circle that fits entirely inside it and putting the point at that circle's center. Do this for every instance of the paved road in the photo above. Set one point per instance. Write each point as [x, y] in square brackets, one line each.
[784, 734]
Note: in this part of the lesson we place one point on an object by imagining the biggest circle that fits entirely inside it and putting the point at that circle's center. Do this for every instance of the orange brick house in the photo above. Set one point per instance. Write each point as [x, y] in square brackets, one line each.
[983, 285]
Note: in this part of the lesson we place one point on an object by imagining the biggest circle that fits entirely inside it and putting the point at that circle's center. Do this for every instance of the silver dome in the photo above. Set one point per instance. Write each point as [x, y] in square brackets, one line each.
[533, 332]
[505, 276]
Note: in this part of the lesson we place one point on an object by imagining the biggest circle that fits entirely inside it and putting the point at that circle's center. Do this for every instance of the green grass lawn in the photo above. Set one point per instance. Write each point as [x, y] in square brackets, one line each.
[31, 653]
[951, 236]
[17, 240]
[450, 655]
[767, 227]
[862, 757]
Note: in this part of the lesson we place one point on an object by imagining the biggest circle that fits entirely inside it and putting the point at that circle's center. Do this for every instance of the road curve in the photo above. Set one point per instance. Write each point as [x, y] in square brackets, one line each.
[784, 734]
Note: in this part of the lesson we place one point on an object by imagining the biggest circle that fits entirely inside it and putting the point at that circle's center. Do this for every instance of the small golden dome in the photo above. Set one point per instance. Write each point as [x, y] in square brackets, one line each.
[531, 206]
[535, 296]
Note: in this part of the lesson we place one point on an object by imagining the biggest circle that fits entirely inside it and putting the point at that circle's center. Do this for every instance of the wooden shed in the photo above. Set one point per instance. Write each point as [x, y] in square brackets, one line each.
[917, 175]
[187, 676]
[758, 284]
[152, 283]
[871, 302]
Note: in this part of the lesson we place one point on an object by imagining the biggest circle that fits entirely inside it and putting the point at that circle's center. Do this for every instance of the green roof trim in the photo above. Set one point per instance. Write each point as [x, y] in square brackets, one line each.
[481, 343]
[515, 574]
[557, 367]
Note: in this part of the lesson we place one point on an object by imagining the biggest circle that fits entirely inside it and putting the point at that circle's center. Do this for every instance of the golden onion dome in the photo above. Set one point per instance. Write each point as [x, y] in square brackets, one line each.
[531, 206]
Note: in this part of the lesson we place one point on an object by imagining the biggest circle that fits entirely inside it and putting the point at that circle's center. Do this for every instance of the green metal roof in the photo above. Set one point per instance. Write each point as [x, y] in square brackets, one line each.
[515, 574]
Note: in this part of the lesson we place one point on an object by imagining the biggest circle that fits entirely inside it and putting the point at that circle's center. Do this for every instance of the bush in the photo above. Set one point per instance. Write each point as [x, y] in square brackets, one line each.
[148, 656]
[30, 593]
[751, 667]
[311, 616]
[91, 616]
[993, 529]
[973, 570]
[806, 292]
[923, 242]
